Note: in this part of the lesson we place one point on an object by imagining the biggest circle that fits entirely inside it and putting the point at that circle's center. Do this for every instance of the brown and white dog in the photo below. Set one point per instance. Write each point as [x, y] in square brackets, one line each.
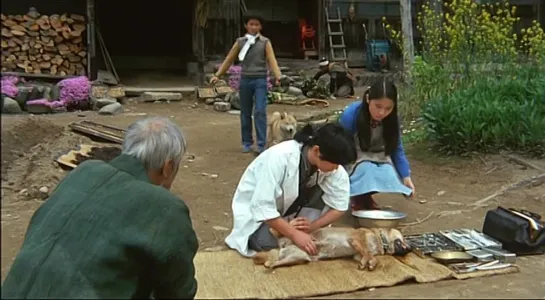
[362, 244]
[280, 127]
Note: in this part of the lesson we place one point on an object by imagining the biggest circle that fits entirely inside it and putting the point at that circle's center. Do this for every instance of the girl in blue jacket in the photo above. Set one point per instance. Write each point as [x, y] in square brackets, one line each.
[382, 166]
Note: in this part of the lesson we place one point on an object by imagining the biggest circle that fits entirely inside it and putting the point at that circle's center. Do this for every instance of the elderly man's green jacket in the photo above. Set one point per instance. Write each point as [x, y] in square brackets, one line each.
[107, 232]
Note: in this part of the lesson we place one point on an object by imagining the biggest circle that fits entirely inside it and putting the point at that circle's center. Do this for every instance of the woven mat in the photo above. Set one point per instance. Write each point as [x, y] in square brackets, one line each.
[227, 275]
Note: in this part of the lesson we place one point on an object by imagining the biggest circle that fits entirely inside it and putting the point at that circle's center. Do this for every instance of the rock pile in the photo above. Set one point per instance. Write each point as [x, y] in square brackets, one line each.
[294, 87]
[71, 94]
[105, 99]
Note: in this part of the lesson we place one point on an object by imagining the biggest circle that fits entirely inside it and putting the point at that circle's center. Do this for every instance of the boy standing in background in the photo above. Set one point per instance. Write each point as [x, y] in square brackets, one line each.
[254, 51]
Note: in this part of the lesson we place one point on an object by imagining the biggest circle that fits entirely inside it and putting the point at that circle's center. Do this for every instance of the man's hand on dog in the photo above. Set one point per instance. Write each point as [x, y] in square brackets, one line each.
[305, 242]
[301, 223]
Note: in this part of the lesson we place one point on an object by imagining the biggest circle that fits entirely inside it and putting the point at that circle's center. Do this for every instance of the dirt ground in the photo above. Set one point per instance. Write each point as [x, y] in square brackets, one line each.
[31, 143]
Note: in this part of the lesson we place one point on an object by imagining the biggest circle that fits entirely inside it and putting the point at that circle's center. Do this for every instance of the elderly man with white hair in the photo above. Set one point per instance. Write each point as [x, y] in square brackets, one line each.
[113, 229]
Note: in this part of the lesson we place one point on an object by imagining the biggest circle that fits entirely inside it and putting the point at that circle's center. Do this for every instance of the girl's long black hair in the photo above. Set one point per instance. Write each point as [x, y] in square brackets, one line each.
[336, 144]
[390, 125]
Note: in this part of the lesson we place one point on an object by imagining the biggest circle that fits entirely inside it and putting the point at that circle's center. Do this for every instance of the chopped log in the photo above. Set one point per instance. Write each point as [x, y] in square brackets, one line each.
[6, 32]
[36, 44]
[33, 13]
[17, 32]
[45, 65]
[79, 27]
[78, 18]
[55, 21]
[19, 28]
[9, 23]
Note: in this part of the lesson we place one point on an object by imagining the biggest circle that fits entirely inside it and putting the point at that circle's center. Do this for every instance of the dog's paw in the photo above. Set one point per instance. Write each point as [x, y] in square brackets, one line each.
[373, 262]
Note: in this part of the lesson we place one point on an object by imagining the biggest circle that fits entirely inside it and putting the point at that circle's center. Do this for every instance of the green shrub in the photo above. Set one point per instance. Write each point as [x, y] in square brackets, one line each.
[491, 114]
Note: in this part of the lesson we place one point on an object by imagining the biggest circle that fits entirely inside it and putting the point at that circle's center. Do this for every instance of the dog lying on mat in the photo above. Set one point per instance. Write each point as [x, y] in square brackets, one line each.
[280, 127]
[362, 244]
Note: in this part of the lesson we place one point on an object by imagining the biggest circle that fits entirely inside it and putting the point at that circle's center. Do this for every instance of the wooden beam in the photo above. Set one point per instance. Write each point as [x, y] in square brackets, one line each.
[321, 28]
[92, 68]
[407, 31]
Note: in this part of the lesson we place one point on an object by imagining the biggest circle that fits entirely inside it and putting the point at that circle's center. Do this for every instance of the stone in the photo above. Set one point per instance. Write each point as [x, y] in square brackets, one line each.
[158, 96]
[23, 94]
[294, 91]
[38, 109]
[11, 106]
[100, 103]
[111, 109]
[99, 91]
[44, 190]
[222, 106]
[209, 101]
[116, 92]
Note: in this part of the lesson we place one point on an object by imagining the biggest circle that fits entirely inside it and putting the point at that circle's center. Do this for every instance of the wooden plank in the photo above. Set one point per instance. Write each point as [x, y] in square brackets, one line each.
[105, 132]
[206, 93]
[66, 159]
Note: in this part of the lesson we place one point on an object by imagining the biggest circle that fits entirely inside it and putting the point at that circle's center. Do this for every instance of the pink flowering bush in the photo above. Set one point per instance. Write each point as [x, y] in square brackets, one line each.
[74, 89]
[47, 103]
[74, 93]
[235, 75]
[8, 86]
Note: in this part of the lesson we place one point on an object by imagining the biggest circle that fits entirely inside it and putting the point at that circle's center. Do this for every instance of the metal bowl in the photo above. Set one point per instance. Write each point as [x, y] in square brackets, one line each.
[379, 218]
[451, 257]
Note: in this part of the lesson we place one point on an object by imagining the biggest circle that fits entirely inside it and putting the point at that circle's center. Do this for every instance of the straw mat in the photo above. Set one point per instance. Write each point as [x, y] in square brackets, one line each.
[227, 275]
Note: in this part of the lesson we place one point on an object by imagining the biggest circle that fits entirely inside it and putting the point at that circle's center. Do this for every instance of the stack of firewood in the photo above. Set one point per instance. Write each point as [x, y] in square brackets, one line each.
[40, 44]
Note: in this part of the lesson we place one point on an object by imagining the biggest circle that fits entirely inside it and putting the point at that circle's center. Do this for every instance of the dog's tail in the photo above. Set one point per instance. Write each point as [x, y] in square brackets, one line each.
[260, 258]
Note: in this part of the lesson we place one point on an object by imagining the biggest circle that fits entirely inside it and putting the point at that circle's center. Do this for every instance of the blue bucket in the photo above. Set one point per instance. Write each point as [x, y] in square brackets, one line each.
[376, 49]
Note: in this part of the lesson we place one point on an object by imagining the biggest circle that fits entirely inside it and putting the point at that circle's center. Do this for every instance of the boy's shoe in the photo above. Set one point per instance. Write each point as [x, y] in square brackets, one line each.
[246, 148]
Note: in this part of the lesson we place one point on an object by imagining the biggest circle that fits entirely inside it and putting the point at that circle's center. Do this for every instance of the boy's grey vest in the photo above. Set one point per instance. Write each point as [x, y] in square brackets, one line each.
[255, 62]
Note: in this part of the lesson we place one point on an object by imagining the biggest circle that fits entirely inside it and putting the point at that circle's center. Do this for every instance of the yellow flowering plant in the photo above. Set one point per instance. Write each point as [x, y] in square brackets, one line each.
[478, 79]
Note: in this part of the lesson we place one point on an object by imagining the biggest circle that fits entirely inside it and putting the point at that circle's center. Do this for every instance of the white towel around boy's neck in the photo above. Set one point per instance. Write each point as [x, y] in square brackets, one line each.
[249, 42]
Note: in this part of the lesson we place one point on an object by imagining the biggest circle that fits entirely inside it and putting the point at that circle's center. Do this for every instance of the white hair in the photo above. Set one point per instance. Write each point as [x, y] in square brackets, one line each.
[154, 141]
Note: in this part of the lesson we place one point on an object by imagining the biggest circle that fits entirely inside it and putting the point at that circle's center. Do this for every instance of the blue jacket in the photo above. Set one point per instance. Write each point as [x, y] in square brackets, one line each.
[348, 121]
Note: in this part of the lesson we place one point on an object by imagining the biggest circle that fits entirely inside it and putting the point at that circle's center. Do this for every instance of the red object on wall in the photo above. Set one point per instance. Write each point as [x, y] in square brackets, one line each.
[307, 34]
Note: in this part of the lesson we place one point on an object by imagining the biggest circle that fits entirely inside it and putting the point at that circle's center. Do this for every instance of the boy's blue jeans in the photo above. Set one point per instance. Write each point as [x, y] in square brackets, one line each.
[251, 87]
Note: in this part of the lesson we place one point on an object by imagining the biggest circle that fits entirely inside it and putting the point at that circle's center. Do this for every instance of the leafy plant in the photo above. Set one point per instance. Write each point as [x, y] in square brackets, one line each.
[479, 81]
[494, 114]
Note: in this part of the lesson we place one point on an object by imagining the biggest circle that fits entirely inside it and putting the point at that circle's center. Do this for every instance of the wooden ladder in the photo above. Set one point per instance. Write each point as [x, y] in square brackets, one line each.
[335, 32]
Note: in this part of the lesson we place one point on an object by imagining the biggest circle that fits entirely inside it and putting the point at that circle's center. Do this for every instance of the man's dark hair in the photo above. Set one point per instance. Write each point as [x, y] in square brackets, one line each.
[249, 15]
[390, 131]
[336, 144]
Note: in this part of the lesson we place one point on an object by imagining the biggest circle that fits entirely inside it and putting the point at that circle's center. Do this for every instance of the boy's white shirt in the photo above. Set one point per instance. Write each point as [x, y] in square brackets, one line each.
[268, 187]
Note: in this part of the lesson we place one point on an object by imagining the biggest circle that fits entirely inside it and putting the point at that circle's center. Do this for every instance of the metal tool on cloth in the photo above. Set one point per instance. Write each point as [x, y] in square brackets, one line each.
[470, 239]
[472, 267]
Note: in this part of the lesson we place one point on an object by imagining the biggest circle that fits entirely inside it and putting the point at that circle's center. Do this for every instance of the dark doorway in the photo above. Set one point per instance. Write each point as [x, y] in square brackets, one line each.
[146, 37]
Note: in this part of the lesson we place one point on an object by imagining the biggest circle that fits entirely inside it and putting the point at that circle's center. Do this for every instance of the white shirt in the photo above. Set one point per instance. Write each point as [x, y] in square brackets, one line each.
[270, 184]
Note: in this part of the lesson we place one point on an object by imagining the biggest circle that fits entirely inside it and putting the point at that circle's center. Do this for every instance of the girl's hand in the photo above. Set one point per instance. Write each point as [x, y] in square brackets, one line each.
[305, 242]
[409, 183]
[300, 223]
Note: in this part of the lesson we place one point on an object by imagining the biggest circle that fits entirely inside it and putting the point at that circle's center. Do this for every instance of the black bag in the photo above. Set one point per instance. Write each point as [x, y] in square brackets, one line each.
[514, 232]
